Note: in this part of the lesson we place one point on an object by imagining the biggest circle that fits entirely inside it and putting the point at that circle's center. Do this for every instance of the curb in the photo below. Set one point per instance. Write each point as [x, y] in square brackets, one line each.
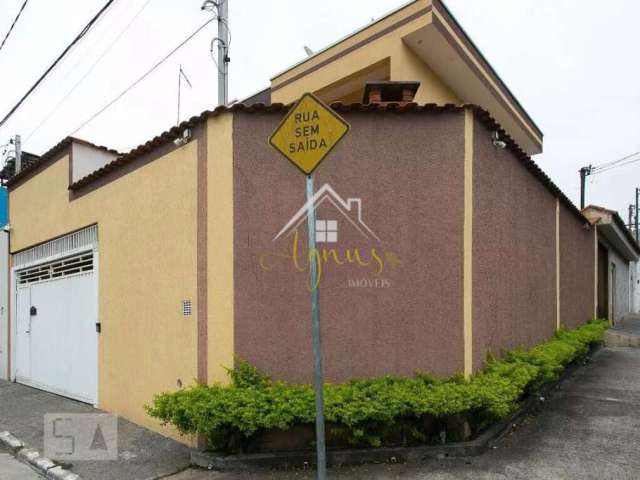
[32, 457]
[359, 456]
[621, 338]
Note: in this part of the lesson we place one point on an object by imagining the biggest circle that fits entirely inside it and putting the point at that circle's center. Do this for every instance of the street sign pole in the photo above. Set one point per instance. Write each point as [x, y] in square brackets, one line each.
[305, 137]
[315, 332]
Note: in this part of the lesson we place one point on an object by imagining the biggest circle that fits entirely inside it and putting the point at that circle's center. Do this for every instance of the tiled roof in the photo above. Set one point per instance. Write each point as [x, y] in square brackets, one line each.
[176, 132]
[9, 170]
[396, 108]
[481, 114]
[618, 220]
[32, 166]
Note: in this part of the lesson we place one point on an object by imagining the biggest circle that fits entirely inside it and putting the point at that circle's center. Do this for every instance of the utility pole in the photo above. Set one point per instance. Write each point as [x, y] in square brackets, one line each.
[17, 144]
[630, 216]
[223, 52]
[584, 171]
[637, 198]
[221, 9]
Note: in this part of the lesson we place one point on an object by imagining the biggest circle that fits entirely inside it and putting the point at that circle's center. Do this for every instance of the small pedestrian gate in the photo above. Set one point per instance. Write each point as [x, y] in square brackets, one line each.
[56, 316]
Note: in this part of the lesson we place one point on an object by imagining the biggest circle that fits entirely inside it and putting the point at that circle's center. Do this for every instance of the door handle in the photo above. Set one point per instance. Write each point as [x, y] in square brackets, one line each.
[33, 311]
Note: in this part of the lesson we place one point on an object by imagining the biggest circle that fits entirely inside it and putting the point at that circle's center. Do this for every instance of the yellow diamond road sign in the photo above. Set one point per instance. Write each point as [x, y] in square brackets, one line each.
[308, 133]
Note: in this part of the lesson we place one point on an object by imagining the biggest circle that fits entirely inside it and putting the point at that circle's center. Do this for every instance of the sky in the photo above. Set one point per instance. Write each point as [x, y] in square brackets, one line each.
[573, 65]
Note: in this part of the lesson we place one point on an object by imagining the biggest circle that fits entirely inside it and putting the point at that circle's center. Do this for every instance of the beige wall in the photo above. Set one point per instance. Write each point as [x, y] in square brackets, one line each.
[147, 263]
[220, 247]
[405, 65]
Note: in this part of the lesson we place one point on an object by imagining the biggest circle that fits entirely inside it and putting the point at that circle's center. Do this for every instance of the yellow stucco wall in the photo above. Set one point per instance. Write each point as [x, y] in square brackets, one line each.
[220, 240]
[405, 65]
[147, 266]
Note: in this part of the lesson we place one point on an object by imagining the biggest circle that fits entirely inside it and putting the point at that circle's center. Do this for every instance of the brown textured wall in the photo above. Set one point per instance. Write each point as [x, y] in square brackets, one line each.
[514, 267]
[408, 171]
[577, 264]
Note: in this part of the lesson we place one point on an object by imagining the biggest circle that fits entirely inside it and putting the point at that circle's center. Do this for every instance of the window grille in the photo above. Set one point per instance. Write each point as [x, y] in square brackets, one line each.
[65, 267]
[59, 246]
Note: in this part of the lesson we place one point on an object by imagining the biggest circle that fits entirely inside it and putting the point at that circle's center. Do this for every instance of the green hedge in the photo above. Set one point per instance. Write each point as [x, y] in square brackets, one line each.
[365, 412]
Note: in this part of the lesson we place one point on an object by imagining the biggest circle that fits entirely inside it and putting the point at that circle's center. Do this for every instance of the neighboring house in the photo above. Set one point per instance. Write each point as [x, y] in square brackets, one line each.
[143, 272]
[618, 253]
[635, 288]
[635, 280]
[7, 171]
[4, 286]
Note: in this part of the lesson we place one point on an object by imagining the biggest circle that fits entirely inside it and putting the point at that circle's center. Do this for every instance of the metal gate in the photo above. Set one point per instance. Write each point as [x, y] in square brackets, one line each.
[56, 318]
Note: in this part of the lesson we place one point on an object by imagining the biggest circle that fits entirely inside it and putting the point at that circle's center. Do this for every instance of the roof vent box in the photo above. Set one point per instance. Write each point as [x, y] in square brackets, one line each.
[383, 92]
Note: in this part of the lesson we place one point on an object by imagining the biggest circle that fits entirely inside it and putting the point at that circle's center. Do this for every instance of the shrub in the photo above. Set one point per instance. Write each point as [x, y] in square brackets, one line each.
[366, 412]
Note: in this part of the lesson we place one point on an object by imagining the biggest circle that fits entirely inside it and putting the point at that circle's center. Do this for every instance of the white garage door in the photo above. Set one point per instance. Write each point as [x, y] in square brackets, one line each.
[56, 326]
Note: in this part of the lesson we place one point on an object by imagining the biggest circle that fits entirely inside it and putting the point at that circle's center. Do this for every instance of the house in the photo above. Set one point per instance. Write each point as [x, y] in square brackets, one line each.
[141, 272]
[4, 285]
[618, 253]
[422, 42]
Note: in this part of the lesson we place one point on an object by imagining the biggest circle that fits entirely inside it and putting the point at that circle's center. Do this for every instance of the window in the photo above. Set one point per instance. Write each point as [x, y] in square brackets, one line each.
[326, 231]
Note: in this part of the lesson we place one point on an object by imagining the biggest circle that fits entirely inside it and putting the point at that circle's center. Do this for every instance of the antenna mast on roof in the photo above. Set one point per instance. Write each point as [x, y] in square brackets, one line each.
[181, 75]
[221, 9]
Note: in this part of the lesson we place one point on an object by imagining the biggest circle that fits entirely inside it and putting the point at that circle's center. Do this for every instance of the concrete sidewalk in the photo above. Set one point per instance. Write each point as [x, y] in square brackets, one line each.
[143, 455]
[625, 333]
[589, 430]
[12, 469]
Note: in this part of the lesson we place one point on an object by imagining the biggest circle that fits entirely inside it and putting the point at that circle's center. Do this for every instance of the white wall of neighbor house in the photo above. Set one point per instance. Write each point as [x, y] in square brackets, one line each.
[88, 159]
[4, 297]
[619, 291]
[634, 280]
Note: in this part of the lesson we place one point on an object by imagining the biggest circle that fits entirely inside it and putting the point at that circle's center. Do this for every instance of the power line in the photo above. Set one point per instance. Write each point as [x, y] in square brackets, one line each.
[146, 74]
[617, 165]
[113, 22]
[86, 74]
[84, 31]
[15, 20]
[614, 162]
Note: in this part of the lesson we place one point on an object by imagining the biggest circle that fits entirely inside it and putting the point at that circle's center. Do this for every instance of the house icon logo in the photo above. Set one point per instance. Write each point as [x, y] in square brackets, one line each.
[344, 243]
[347, 212]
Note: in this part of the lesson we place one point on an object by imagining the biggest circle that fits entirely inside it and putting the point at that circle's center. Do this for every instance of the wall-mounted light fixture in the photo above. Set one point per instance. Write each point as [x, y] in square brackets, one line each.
[497, 142]
[184, 139]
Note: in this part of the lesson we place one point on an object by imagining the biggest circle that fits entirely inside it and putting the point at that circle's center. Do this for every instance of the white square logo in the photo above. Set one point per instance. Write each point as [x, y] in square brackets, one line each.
[81, 436]
[326, 231]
